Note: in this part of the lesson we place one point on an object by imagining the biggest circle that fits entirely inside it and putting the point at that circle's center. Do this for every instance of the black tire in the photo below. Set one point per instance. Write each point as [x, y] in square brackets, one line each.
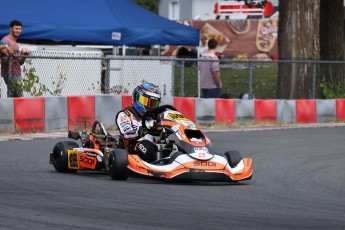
[60, 157]
[118, 162]
[234, 157]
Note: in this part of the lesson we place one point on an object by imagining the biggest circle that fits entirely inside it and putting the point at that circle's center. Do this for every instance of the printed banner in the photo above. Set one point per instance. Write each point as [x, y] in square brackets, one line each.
[240, 39]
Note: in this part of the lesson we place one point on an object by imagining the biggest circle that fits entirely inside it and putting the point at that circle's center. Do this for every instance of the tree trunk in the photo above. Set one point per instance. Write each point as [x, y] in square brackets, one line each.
[331, 46]
[298, 40]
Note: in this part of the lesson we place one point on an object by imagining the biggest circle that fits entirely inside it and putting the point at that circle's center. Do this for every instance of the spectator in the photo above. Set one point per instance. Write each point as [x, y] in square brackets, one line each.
[210, 81]
[10, 70]
[5, 49]
[203, 47]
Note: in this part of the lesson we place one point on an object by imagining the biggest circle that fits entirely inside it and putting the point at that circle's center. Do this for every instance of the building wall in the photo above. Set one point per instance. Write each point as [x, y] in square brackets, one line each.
[193, 9]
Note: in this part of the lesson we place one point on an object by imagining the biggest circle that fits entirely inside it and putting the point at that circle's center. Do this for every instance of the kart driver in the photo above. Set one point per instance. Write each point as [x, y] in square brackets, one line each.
[145, 96]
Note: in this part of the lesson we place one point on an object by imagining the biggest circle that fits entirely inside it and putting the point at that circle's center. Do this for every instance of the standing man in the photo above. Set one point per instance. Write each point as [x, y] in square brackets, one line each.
[10, 64]
[203, 46]
[5, 49]
[210, 82]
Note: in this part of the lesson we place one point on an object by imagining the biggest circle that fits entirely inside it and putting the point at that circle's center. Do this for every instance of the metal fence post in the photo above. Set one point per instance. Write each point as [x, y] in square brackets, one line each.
[182, 78]
[173, 68]
[313, 92]
[107, 76]
[250, 80]
[9, 75]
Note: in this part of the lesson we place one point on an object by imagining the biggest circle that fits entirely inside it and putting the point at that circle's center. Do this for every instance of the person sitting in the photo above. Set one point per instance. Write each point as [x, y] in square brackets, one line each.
[129, 121]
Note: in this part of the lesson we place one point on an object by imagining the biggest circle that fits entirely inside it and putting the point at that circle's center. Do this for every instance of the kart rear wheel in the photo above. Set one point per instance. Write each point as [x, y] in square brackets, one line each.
[234, 157]
[60, 157]
[118, 162]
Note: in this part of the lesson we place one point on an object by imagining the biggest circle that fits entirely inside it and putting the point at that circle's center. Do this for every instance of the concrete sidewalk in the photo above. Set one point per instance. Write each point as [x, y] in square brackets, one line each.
[32, 136]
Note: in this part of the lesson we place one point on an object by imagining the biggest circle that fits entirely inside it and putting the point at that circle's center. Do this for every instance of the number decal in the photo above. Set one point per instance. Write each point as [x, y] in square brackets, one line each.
[73, 159]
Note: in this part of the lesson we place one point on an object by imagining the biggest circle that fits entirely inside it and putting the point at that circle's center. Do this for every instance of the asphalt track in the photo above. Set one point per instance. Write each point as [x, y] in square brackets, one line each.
[298, 183]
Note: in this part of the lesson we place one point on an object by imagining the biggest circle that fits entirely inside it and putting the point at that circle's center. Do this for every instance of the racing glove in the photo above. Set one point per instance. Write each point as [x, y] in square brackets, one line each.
[143, 131]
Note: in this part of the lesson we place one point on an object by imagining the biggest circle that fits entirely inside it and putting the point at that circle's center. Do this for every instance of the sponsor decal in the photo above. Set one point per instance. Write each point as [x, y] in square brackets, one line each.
[196, 170]
[179, 135]
[87, 161]
[116, 36]
[142, 148]
[175, 128]
[202, 151]
[205, 163]
[189, 124]
[176, 116]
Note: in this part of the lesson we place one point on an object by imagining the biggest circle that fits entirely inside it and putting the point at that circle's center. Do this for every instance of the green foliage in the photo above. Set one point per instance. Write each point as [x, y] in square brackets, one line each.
[151, 5]
[329, 88]
[31, 82]
[32, 85]
[331, 91]
[58, 83]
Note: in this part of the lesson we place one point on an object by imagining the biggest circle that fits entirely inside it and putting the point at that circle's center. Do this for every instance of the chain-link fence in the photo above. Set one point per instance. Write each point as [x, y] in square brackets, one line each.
[88, 73]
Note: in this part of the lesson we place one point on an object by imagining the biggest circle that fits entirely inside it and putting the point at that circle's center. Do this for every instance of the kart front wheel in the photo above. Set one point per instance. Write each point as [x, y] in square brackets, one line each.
[60, 156]
[234, 157]
[118, 162]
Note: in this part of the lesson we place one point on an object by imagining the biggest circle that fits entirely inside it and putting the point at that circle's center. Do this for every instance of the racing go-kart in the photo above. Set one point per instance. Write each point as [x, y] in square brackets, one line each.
[184, 153]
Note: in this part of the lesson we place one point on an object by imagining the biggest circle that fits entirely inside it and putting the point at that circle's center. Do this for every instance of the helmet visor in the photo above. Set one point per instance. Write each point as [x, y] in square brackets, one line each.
[149, 102]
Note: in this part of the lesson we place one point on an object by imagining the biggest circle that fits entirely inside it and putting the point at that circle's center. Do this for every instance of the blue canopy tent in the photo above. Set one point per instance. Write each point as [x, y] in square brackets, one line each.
[107, 22]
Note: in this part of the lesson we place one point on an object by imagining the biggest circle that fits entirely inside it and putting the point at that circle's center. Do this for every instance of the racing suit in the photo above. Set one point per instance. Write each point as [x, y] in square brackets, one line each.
[129, 123]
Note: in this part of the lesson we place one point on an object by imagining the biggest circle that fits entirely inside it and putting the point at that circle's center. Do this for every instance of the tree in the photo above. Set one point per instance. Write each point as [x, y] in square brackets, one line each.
[298, 39]
[151, 5]
[331, 77]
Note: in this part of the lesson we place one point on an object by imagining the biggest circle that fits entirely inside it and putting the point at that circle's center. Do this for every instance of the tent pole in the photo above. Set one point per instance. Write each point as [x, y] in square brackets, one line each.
[123, 50]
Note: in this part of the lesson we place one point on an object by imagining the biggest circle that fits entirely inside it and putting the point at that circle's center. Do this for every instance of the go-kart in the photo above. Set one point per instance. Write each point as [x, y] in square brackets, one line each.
[96, 144]
[184, 152]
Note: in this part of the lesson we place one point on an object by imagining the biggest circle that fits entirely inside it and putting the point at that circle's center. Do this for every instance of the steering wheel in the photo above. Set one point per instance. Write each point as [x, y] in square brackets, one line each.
[98, 128]
[154, 113]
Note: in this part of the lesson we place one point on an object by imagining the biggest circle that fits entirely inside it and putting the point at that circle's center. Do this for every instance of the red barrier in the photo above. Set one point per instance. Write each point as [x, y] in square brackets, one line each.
[306, 111]
[126, 101]
[225, 111]
[265, 111]
[29, 114]
[340, 109]
[80, 109]
[186, 106]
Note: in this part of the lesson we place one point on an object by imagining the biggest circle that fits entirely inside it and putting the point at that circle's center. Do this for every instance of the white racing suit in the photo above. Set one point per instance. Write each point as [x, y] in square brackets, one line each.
[129, 124]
